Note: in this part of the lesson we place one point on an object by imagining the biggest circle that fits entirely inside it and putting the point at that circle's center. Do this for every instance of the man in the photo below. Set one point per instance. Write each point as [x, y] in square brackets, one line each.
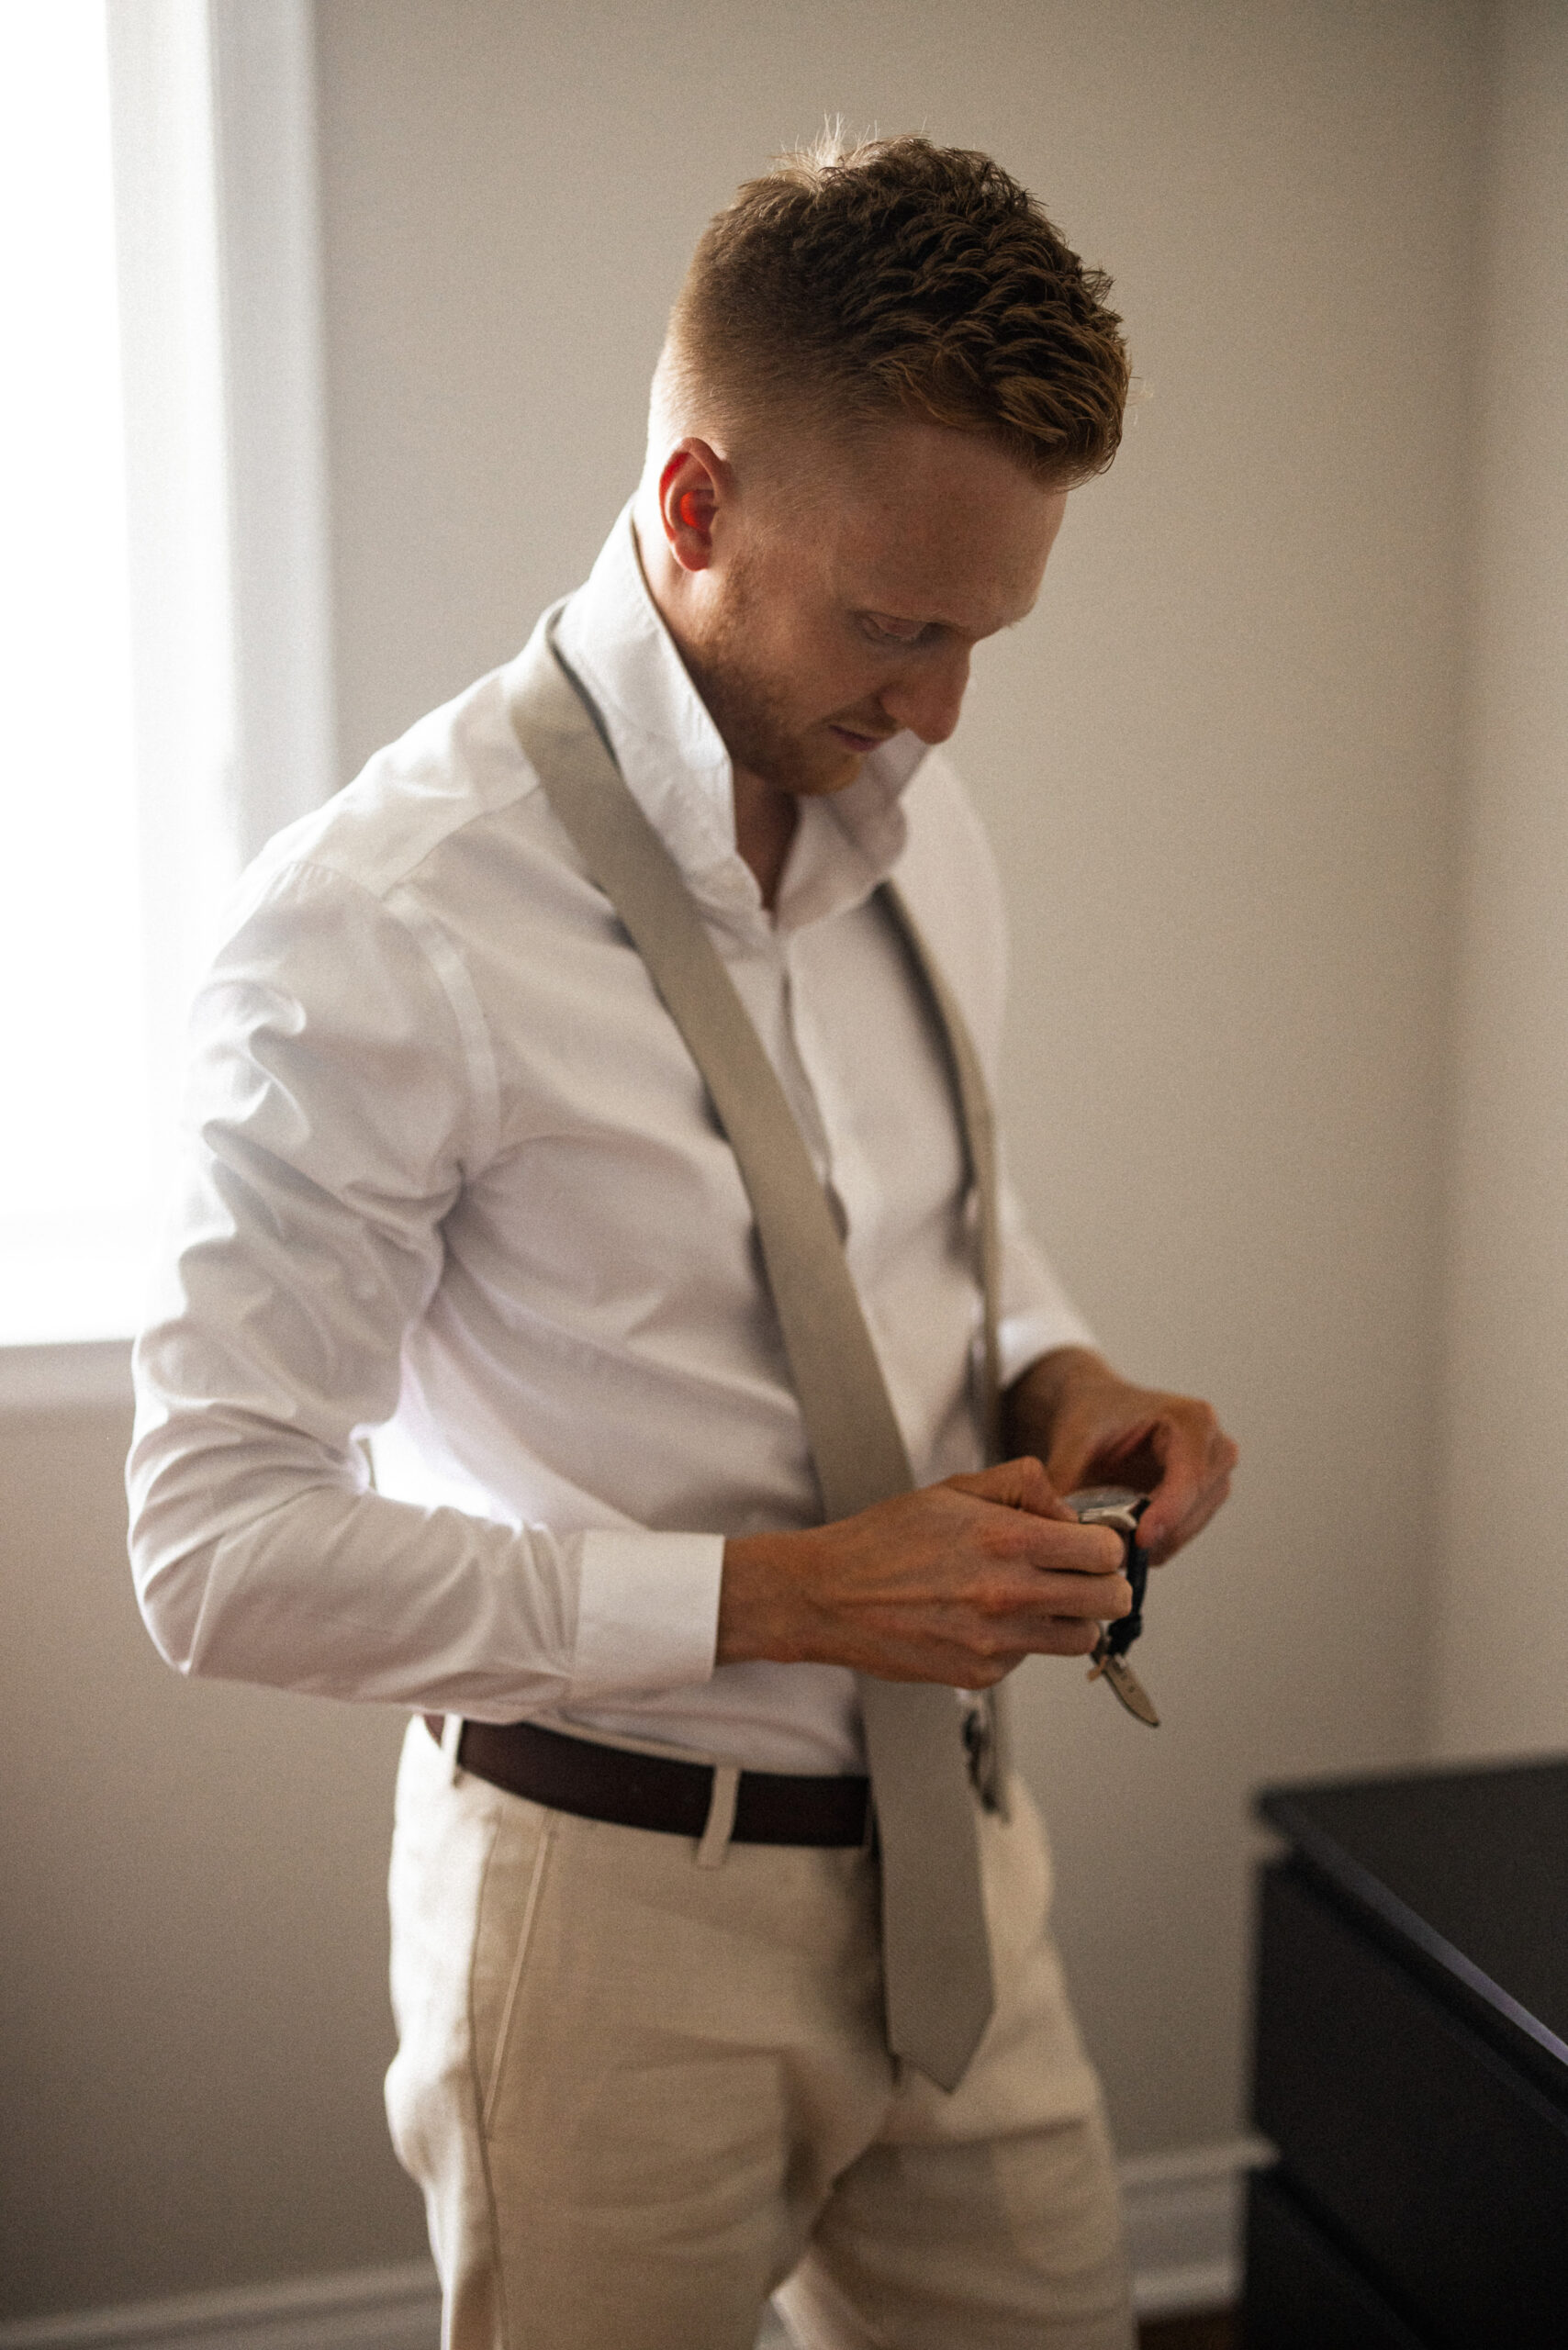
[457, 1178]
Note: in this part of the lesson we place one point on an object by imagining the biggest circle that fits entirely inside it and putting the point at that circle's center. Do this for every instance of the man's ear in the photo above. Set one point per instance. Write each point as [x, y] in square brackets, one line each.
[692, 487]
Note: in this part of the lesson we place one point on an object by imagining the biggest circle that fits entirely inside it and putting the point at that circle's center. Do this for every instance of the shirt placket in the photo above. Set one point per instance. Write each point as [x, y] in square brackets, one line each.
[764, 970]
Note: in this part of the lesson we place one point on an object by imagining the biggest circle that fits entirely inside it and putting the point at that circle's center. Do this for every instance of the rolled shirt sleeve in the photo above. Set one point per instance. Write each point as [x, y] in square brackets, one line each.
[339, 1100]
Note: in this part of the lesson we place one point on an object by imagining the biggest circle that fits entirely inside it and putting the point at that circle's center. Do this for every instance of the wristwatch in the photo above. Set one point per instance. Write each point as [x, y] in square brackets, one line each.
[1119, 1507]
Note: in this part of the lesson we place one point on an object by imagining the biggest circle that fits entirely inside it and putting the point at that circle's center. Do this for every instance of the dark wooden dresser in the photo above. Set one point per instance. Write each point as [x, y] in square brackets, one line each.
[1411, 2065]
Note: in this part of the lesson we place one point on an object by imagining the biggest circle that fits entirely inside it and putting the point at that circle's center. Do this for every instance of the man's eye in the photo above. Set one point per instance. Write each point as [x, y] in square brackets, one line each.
[885, 631]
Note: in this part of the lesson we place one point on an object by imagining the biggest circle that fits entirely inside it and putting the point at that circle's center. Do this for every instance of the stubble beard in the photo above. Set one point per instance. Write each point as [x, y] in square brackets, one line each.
[751, 711]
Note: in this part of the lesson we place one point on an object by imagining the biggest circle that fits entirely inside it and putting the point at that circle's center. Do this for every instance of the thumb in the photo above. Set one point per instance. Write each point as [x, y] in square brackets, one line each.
[1071, 1456]
[1016, 1485]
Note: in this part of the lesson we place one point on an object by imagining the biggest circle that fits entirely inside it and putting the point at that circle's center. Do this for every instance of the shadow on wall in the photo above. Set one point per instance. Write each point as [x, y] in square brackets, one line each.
[195, 2001]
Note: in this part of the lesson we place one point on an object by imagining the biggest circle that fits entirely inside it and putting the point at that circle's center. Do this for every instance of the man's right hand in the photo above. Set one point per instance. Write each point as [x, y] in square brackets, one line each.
[956, 1582]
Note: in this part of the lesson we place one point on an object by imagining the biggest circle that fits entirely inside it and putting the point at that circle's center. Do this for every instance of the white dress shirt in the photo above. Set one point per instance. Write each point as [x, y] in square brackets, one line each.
[452, 1177]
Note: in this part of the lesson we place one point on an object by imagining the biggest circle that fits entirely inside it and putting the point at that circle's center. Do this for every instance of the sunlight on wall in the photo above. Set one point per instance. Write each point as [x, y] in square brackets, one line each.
[70, 928]
[114, 635]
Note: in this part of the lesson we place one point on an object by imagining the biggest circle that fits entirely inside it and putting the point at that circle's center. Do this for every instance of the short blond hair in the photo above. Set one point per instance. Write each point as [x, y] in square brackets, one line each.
[893, 277]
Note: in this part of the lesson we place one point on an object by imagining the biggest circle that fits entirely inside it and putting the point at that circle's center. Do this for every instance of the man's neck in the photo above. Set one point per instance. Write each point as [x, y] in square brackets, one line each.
[766, 820]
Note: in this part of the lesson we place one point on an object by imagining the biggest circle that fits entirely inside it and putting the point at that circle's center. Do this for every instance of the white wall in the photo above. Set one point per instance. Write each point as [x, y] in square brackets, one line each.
[1501, 1678]
[1223, 767]
[193, 2007]
[1220, 763]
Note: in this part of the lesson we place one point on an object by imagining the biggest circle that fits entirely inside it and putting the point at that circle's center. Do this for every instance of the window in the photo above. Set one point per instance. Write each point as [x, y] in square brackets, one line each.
[164, 608]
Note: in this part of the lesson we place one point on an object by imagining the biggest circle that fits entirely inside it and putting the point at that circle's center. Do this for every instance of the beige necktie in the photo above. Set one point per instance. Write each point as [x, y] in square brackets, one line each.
[936, 1961]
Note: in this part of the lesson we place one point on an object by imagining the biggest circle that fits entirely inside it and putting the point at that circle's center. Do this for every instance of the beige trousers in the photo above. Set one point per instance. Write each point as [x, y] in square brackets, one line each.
[640, 2094]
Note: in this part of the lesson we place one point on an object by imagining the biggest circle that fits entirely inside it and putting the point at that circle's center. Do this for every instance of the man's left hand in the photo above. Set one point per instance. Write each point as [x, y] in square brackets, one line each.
[1087, 1426]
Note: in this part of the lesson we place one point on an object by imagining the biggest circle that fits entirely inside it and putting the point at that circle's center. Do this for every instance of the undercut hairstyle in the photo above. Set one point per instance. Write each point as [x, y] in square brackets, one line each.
[895, 278]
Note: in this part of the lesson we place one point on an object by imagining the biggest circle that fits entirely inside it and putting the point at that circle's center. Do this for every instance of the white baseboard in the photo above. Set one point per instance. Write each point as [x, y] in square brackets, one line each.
[366, 2309]
[1183, 2212]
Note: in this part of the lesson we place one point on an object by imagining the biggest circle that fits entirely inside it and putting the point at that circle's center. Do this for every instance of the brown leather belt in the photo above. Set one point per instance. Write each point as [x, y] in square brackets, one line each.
[654, 1791]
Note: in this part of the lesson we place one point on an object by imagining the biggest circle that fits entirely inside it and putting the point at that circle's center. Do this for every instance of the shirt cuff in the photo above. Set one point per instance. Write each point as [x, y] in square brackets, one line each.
[647, 1612]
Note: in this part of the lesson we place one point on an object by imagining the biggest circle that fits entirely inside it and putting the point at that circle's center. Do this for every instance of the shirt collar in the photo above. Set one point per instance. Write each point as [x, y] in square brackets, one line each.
[677, 769]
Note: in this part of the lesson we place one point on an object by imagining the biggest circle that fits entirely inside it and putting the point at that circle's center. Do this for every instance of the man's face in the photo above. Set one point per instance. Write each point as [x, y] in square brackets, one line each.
[842, 608]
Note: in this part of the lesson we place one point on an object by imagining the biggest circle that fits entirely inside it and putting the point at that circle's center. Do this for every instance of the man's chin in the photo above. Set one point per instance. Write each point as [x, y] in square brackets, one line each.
[838, 777]
[816, 778]
[840, 763]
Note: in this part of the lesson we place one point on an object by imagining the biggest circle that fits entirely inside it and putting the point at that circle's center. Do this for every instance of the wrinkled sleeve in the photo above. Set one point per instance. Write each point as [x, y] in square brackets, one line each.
[340, 1093]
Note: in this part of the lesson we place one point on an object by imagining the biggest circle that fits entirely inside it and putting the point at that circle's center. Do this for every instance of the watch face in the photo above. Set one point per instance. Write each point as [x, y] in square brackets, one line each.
[1116, 1505]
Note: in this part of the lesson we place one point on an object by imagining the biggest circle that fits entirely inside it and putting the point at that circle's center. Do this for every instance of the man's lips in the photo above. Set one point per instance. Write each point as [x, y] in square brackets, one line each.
[856, 741]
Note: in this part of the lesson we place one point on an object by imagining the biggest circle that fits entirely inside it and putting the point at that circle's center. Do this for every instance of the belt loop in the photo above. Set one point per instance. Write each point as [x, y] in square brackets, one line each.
[451, 1739]
[720, 1824]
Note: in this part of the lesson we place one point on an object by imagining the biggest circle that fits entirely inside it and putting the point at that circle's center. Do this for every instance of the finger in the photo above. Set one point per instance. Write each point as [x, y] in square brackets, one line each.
[1075, 1638]
[1058, 1635]
[1211, 1495]
[1028, 1524]
[1071, 1456]
[1193, 1454]
[1054, 1636]
[1058, 1597]
[1092, 1553]
[1207, 1506]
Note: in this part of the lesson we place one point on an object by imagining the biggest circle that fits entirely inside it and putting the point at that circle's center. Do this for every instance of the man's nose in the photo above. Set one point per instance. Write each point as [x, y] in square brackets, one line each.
[928, 697]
